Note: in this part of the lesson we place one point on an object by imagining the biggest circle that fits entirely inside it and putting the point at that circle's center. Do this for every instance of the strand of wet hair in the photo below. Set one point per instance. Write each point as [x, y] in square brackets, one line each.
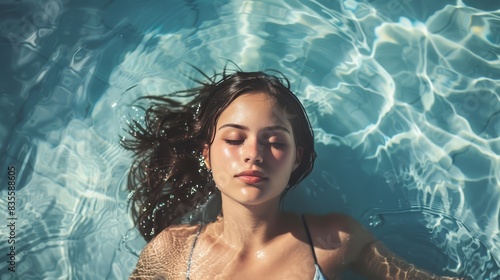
[167, 179]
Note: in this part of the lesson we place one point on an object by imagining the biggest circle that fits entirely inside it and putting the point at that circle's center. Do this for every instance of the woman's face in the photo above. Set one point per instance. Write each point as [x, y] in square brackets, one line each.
[253, 153]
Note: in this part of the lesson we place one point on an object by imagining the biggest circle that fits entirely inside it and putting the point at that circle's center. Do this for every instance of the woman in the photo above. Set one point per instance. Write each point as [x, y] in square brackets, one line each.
[246, 139]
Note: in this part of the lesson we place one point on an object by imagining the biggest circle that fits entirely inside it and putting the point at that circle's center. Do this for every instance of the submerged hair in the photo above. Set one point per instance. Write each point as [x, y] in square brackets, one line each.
[168, 179]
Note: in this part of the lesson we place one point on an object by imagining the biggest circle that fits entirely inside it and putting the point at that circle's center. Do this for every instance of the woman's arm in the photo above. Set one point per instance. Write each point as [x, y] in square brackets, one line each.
[152, 263]
[378, 262]
[166, 256]
[375, 261]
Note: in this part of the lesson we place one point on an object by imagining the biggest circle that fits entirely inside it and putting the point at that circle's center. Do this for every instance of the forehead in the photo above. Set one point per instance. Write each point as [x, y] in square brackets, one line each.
[255, 108]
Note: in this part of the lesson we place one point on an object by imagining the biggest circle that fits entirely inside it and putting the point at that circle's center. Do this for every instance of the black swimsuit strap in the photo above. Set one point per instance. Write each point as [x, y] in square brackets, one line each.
[309, 238]
[188, 270]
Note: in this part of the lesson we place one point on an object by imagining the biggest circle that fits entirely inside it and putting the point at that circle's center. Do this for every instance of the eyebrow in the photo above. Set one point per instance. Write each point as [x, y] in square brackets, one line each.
[242, 127]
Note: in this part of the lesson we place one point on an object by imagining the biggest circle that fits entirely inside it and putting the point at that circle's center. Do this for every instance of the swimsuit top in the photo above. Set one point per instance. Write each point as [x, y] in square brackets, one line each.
[318, 275]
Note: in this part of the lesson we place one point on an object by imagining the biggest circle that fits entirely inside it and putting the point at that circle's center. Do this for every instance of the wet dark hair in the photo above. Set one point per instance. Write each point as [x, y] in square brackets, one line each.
[167, 178]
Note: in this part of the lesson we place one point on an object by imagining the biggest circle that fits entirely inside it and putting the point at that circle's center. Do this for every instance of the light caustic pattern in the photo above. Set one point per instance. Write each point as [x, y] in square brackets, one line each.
[423, 104]
[415, 95]
[418, 99]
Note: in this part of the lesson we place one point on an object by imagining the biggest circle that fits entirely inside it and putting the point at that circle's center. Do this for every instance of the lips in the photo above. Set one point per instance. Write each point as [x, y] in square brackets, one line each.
[251, 176]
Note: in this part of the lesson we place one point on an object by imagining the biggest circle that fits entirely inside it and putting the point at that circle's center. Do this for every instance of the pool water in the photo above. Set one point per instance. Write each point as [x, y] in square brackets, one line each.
[404, 98]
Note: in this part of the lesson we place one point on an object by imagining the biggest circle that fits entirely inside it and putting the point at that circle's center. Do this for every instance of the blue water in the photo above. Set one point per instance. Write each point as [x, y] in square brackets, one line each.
[404, 97]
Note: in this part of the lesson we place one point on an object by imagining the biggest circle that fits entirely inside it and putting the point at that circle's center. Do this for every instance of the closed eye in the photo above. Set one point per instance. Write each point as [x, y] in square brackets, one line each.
[234, 142]
[277, 145]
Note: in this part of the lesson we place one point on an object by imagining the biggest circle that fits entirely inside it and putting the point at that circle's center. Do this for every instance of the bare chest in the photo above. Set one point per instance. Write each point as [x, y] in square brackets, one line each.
[287, 260]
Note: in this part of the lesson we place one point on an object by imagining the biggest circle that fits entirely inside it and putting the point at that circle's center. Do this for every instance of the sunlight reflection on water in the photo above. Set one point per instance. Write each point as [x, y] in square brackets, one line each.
[403, 96]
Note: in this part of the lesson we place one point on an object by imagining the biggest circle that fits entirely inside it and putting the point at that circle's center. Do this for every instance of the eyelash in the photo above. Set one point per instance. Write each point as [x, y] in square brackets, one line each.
[239, 142]
[234, 142]
[278, 146]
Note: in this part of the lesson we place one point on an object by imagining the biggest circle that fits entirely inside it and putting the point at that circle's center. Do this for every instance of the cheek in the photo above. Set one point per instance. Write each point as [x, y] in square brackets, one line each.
[223, 164]
[221, 179]
[283, 157]
[220, 154]
[227, 152]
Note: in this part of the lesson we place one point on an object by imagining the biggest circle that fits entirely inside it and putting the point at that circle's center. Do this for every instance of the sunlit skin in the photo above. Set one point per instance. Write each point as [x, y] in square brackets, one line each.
[252, 134]
[251, 157]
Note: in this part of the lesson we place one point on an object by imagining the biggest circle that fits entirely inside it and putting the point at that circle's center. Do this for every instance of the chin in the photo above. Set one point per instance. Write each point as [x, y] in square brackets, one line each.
[256, 197]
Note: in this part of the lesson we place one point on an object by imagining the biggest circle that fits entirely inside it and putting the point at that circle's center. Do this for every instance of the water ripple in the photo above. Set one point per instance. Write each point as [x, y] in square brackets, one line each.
[404, 96]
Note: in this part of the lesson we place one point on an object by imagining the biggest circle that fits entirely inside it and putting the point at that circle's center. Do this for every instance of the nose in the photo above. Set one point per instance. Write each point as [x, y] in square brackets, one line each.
[253, 152]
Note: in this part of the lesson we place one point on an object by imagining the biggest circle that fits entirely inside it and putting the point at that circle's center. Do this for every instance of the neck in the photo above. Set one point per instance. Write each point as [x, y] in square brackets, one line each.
[249, 228]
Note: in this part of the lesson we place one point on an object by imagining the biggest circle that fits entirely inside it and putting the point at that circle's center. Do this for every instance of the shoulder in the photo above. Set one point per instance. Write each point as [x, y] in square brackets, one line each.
[336, 222]
[166, 253]
[171, 238]
[343, 231]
